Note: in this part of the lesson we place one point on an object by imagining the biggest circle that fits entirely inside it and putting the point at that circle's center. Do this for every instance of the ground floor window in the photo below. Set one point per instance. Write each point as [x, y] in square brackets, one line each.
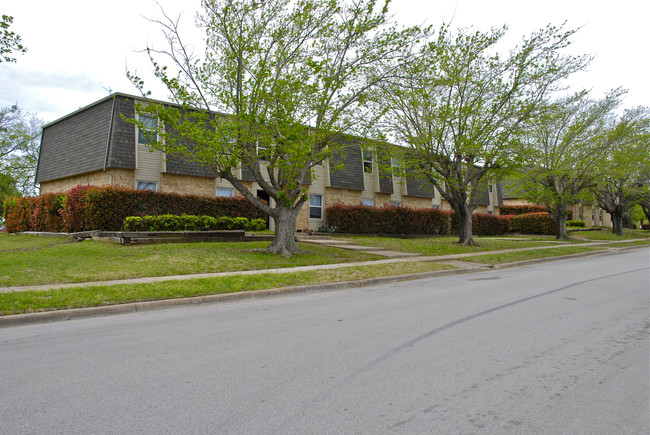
[396, 203]
[146, 185]
[225, 192]
[316, 206]
[367, 202]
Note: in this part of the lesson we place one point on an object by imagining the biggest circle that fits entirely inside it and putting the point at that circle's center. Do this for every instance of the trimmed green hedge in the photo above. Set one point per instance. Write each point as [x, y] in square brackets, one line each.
[578, 224]
[521, 209]
[532, 223]
[387, 220]
[168, 222]
[86, 208]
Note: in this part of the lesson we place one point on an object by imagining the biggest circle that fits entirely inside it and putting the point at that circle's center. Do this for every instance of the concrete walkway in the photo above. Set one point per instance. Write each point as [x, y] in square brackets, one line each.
[392, 257]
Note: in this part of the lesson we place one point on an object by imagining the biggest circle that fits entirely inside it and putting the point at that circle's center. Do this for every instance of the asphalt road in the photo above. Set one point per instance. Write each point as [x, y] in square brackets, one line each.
[559, 347]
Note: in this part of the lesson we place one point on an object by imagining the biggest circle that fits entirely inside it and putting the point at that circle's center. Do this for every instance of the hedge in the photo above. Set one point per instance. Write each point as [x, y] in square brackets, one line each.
[387, 220]
[532, 223]
[85, 208]
[577, 224]
[521, 209]
[191, 223]
[485, 224]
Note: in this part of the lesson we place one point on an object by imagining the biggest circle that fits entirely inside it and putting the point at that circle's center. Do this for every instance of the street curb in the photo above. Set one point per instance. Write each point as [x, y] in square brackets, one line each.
[136, 307]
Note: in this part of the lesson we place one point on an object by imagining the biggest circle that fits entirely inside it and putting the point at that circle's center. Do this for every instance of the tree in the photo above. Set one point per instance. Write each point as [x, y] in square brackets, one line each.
[20, 134]
[563, 150]
[9, 41]
[291, 79]
[621, 183]
[461, 108]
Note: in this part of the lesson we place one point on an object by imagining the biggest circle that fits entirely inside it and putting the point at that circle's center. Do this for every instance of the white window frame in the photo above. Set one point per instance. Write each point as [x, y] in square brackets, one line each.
[367, 159]
[368, 202]
[140, 133]
[149, 183]
[222, 190]
[316, 207]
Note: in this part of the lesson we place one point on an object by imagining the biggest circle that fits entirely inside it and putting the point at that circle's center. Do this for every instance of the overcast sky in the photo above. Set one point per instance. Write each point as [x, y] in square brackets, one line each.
[78, 51]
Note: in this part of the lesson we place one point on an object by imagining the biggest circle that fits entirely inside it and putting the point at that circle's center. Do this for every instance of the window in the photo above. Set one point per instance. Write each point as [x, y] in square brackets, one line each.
[146, 185]
[490, 187]
[395, 166]
[261, 150]
[368, 202]
[396, 203]
[315, 206]
[367, 161]
[147, 134]
[225, 192]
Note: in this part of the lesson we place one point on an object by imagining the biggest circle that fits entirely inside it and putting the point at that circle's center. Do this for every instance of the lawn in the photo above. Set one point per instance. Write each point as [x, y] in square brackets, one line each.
[445, 245]
[33, 260]
[33, 301]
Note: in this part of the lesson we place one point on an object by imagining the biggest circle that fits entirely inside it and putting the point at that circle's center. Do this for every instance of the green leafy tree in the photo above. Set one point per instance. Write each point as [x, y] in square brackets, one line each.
[20, 134]
[621, 182]
[563, 151]
[461, 108]
[291, 80]
[9, 41]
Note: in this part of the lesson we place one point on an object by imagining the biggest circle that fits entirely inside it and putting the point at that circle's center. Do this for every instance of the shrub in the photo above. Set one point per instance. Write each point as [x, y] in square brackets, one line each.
[17, 211]
[46, 214]
[485, 224]
[387, 220]
[521, 209]
[532, 223]
[579, 224]
[191, 223]
[86, 208]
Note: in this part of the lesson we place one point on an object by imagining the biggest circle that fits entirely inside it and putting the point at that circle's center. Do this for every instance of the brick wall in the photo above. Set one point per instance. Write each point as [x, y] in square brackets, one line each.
[187, 184]
[113, 177]
[382, 199]
[334, 195]
[416, 202]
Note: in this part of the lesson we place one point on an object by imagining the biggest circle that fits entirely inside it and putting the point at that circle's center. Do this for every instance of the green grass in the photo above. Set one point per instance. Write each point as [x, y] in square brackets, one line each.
[33, 301]
[606, 234]
[509, 257]
[444, 245]
[32, 260]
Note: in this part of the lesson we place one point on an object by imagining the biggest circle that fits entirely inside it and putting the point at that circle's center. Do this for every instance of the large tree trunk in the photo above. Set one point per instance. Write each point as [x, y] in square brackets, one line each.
[560, 218]
[617, 223]
[284, 241]
[465, 226]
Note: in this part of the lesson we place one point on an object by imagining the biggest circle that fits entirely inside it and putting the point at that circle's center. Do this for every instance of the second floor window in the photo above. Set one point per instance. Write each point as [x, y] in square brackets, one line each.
[147, 133]
[367, 161]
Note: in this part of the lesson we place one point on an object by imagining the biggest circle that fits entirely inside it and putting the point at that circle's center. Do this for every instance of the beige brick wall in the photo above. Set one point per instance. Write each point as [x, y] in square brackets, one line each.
[334, 195]
[382, 199]
[416, 202]
[481, 209]
[112, 177]
[187, 185]
[302, 220]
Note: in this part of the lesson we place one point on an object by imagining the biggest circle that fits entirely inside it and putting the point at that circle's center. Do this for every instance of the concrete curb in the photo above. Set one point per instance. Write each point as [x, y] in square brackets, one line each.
[135, 307]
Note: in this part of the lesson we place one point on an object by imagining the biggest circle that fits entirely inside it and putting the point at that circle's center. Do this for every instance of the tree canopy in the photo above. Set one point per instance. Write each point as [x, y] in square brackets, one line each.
[461, 108]
[563, 152]
[20, 134]
[278, 88]
[10, 42]
[622, 181]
